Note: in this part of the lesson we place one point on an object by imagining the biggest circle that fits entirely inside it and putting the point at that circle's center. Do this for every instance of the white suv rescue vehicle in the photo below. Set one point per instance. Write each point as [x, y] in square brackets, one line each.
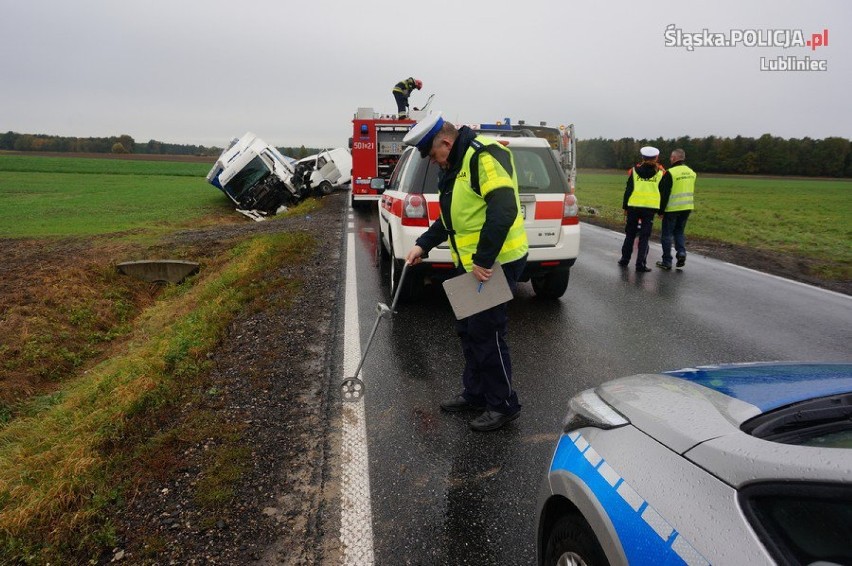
[409, 205]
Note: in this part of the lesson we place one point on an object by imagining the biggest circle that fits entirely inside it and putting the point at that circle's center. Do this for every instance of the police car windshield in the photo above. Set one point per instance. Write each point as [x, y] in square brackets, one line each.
[538, 172]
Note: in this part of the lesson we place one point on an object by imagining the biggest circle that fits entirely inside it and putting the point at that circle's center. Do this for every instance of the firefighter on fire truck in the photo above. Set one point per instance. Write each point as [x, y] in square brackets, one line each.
[401, 92]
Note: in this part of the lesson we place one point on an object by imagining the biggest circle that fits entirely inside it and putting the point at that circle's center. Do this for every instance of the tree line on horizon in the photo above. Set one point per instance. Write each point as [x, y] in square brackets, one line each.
[123, 144]
[766, 155]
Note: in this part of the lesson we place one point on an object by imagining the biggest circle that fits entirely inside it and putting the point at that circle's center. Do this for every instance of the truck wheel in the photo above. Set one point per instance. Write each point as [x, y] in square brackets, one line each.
[552, 285]
[325, 188]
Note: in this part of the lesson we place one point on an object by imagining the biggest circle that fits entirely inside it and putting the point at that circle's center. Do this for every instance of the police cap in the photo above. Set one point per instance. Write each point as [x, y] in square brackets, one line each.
[649, 152]
[423, 132]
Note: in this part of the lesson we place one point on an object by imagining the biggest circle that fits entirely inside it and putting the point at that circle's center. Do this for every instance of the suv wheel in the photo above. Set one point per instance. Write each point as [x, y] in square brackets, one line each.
[411, 287]
[382, 251]
[552, 285]
[573, 543]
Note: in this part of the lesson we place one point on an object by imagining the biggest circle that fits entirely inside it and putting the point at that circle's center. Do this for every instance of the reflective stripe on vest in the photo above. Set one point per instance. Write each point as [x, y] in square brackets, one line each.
[646, 192]
[468, 208]
[683, 189]
[405, 87]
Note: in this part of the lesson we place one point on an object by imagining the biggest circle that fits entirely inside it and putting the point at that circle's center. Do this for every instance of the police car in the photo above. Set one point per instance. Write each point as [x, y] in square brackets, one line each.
[730, 464]
[410, 204]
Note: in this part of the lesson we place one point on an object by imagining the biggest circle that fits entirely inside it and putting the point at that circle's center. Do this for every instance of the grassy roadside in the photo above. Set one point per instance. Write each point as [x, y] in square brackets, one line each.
[802, 218]
[67, 456]
[95, 368]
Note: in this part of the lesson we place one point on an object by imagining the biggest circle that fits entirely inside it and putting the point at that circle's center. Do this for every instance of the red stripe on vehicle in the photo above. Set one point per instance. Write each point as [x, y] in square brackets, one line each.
[396, 207]
[549, 210]
[434, 210]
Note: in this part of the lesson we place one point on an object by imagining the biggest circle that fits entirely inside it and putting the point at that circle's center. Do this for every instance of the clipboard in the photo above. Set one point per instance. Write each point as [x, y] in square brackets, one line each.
[467, 297]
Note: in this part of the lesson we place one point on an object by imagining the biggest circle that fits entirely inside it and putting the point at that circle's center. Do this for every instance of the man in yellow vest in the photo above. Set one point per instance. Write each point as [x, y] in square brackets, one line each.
[676, 213]
[645, 195]
[481, 217]
[401, 92]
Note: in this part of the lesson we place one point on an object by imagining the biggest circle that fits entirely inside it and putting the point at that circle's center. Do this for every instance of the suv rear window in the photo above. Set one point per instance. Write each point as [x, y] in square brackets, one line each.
[538, 173]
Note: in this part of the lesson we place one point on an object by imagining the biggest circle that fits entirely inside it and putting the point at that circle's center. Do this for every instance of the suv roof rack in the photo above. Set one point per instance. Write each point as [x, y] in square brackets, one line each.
[524, 133]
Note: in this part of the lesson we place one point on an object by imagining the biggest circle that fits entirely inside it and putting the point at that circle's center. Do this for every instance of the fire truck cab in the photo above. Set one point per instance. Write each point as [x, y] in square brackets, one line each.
[376, 145]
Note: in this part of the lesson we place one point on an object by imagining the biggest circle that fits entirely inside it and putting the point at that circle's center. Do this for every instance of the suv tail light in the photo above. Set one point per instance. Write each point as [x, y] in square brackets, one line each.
[414, 211]
[570, 211]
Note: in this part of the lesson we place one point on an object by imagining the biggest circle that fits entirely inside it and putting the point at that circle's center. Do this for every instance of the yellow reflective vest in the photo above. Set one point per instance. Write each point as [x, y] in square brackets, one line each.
[683, 189]
[467, 208]
[646, 192]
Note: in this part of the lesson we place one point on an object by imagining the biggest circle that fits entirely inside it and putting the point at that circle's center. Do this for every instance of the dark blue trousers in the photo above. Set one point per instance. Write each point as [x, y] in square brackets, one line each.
[674, 226]
[401, 104]
[487, 376]
[640, 221]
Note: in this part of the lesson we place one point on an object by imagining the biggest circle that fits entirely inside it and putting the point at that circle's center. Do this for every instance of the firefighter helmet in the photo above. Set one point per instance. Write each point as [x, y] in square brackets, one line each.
[418, 84]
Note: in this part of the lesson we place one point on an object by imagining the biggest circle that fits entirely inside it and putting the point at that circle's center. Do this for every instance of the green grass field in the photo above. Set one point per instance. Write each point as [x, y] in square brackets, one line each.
[66, 196]
[104, 379]
[801, 217]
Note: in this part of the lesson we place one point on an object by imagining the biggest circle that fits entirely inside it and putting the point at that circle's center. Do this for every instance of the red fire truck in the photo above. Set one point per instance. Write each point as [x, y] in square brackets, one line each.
[376, 145]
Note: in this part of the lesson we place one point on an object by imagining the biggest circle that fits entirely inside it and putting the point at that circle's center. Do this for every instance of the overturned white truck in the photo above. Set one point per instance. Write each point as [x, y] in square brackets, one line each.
[256, 177]
[326, 171]
[261, 181]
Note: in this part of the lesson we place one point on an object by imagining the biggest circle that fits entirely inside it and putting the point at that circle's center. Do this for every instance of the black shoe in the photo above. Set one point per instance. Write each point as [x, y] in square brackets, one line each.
[623, 262]
[681, 261]
[666, 266]
[492, 420]
[643, 268]
[459, 403]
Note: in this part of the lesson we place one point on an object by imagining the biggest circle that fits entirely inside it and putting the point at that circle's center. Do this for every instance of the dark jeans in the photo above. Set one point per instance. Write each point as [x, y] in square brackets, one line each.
[487, 376]
[643, 229]
[674, 224]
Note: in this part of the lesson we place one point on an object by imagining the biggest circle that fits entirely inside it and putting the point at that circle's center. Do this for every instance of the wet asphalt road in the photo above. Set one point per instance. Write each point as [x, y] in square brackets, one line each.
[443, 494]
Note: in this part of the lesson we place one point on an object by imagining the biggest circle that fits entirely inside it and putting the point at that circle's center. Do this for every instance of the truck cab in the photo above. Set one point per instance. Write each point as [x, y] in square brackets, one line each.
[255, 177]
[376, 146]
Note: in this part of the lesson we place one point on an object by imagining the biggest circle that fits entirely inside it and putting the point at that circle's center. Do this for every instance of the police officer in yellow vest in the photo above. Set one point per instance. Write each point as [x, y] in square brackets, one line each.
[681, 203]
[481, 217]
[645, 195]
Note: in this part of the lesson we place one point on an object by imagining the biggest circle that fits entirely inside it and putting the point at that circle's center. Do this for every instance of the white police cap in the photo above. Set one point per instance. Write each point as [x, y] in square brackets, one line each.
[423, 132]
[649, 152]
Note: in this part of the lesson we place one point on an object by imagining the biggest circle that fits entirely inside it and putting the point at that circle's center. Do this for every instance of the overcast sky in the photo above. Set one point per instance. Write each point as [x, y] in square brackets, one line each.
[294, 73]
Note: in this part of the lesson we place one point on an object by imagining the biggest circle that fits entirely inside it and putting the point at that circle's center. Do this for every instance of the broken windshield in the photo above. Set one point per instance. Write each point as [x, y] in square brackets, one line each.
[253, 172]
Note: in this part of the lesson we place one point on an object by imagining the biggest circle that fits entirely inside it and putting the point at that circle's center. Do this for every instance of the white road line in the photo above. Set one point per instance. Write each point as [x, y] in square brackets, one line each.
[835, 293]
[356, 522]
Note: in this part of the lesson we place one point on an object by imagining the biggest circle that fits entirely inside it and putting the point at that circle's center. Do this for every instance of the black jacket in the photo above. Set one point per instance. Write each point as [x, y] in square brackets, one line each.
[501, 209]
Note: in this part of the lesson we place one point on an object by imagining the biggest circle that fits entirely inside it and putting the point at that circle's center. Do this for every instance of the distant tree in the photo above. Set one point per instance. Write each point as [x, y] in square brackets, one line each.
[127, 142]
[118, 147]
